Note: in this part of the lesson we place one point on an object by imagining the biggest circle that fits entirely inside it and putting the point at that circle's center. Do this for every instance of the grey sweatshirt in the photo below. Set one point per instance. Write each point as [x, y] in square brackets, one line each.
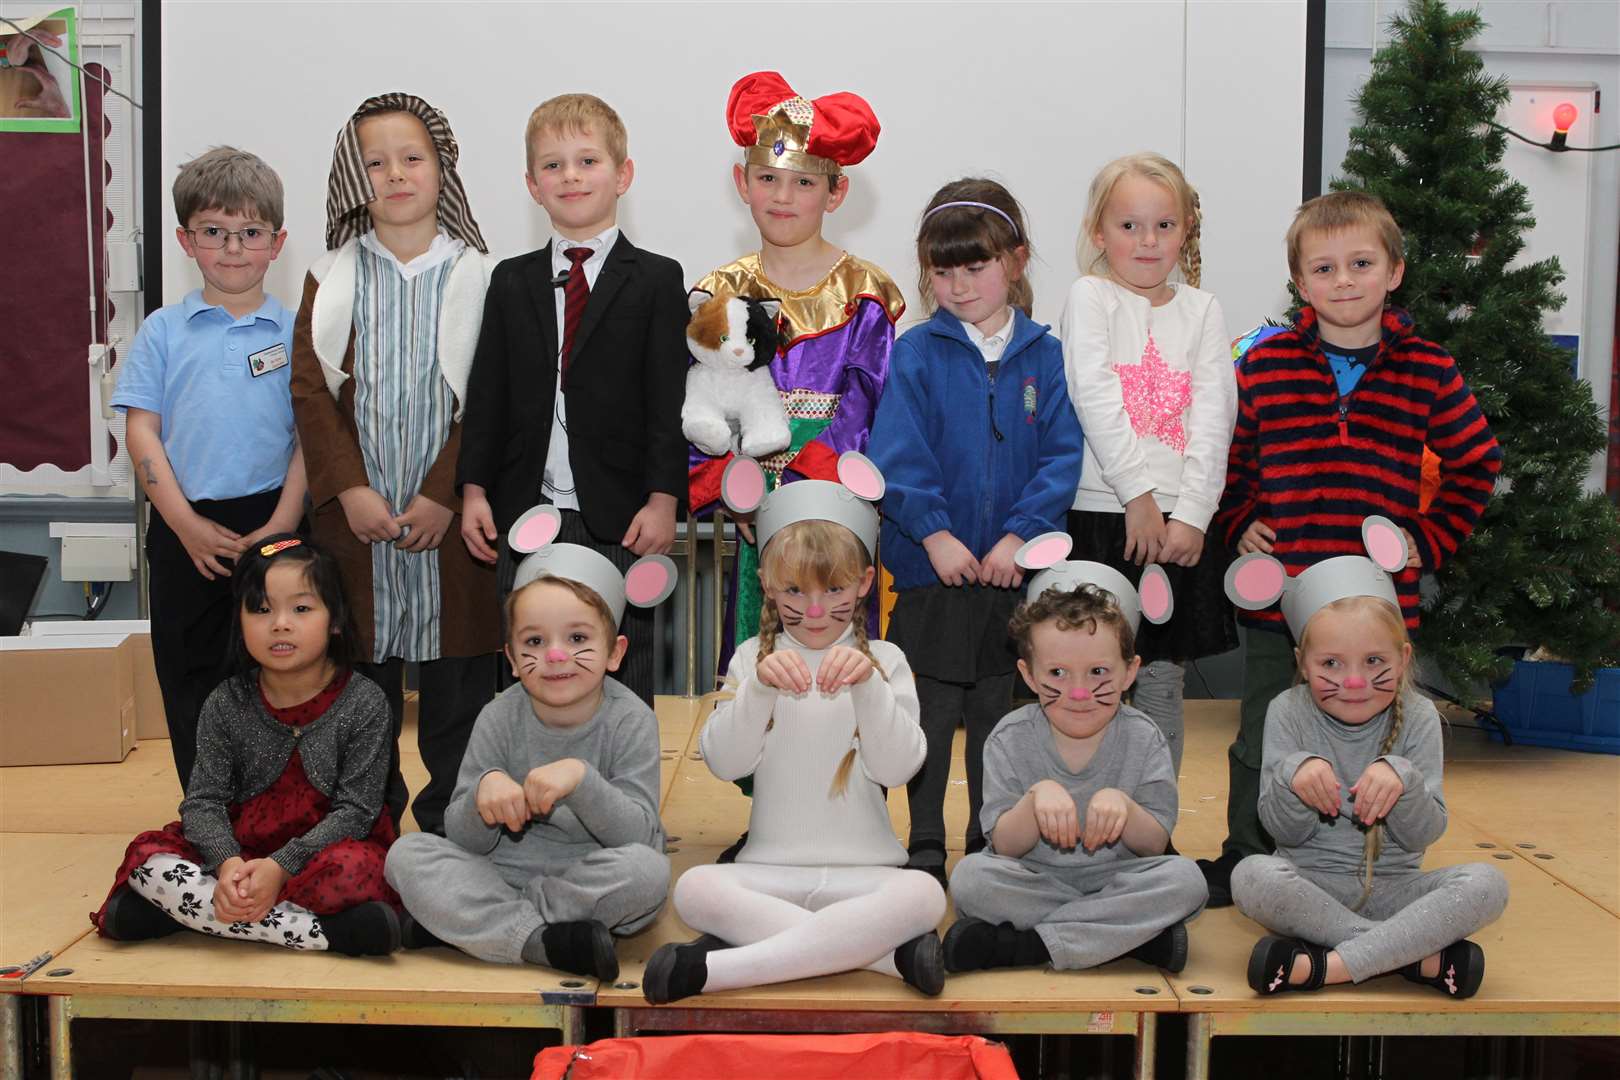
[1132, 757]
[242, 750]
[1297, 730]
[615, 804]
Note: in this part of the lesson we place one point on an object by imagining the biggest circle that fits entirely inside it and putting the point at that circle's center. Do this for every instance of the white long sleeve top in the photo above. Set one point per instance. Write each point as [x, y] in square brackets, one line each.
[1156, 397]
[792, 744]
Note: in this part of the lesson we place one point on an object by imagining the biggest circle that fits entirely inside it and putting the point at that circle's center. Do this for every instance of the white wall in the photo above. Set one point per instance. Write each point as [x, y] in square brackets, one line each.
[1526, 42]
[1039, 95]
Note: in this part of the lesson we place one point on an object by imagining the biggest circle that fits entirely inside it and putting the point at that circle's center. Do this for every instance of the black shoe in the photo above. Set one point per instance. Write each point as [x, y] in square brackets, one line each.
[975, 845]
[1167, 949]
[929, 857]
[132, 917]
[1272, 963]
[1462, 969]
[1218, 876]
[677, 971]
[582, 948]
[369, 929]
[730, 854]
[974, 945]
[921, 962]
[413, 935]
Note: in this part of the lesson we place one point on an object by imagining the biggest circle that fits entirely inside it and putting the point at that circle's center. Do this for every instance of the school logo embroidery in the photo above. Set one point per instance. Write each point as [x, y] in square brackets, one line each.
[1029, 399]
[1155, 395]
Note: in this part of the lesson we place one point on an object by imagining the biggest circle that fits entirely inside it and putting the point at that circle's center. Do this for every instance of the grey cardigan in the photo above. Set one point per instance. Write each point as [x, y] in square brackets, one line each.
[242, 750]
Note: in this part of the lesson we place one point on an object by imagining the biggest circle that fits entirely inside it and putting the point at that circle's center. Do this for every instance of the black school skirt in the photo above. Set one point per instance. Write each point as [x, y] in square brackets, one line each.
[1203, 623]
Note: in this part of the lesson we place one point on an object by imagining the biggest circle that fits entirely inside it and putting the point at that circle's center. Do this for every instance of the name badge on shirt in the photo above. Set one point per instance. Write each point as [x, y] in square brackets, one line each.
[265, 361]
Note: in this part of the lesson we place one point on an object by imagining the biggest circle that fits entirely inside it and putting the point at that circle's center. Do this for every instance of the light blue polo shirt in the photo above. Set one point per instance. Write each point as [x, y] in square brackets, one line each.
[227, 432]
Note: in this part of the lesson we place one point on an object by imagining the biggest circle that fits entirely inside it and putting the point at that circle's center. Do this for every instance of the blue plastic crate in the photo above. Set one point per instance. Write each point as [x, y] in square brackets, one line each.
[1537, 707]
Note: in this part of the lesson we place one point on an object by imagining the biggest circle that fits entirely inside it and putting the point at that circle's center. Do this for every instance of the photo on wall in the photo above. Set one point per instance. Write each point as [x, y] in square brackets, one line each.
[39, 88]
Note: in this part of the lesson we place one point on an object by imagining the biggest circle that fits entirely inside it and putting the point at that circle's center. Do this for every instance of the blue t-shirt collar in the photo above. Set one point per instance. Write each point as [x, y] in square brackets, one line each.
[271, 310]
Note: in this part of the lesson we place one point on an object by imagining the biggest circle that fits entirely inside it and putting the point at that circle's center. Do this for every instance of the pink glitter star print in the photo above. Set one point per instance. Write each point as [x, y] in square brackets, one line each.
[1155, 397]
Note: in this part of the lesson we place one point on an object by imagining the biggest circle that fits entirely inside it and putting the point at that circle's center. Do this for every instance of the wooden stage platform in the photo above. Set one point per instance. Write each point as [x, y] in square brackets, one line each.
[1550, 820]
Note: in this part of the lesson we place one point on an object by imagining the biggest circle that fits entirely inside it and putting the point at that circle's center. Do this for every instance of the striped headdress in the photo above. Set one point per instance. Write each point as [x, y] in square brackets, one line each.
[349, 190]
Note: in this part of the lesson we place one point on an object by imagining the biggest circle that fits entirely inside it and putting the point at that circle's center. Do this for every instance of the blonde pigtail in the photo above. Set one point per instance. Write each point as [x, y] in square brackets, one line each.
[1375, 835]
[769, 624]
[1192, 257]
[840, 781]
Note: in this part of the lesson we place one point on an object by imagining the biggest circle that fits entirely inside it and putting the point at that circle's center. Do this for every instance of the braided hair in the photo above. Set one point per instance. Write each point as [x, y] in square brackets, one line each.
[823, 553]
[1192, 257]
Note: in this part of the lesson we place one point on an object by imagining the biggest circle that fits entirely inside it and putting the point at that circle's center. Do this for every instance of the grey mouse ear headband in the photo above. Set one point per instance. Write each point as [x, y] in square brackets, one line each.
[1048, 555]
[849, 502]
[647, 583]
[1255, 580]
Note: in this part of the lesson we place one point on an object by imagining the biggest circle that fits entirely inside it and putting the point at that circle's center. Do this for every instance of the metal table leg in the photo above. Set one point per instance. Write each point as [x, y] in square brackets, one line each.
[1199, 1028]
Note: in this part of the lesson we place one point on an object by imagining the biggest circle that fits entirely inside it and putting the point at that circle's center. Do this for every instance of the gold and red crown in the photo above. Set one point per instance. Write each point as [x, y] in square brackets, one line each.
[779, 128]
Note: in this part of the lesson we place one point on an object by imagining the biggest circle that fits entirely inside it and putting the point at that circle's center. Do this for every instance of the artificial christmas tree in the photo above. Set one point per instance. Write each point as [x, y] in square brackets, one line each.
[1543, 567]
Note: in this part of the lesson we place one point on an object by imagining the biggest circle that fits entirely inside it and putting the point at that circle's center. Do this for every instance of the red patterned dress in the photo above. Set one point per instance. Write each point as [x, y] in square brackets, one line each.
[343, 875]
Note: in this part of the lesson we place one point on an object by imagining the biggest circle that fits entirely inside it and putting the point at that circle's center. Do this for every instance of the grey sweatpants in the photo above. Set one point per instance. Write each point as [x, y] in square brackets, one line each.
[1086, 915]
[490, 910]
[1409, 915]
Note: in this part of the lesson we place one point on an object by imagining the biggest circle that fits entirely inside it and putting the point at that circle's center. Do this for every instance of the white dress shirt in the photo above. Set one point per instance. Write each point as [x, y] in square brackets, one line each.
[558, 481]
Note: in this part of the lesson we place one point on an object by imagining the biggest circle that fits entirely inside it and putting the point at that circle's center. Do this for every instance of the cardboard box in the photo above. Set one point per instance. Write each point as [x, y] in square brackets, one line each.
[66, 700]
[149, 717]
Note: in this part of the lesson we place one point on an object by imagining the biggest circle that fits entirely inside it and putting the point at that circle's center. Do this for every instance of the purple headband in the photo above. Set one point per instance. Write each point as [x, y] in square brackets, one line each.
[1002, 214]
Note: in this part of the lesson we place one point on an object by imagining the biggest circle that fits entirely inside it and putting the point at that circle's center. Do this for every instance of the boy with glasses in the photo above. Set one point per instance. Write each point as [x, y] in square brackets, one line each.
[210, 426]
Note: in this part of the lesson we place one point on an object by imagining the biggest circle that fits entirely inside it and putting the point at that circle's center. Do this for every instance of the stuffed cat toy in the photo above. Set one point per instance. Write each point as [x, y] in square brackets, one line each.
[731, 399]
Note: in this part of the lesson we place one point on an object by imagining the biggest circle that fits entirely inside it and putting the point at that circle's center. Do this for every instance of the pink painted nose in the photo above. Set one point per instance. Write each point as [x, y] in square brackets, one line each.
[555, 655]
[815, 611]
[1080, 693]
[1355, 682]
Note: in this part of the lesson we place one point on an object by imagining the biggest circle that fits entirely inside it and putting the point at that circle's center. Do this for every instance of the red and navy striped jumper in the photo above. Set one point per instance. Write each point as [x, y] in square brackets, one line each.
[1313, 466]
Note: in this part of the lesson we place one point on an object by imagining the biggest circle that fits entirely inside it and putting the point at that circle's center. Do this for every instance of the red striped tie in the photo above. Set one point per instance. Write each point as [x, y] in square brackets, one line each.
[575, 294]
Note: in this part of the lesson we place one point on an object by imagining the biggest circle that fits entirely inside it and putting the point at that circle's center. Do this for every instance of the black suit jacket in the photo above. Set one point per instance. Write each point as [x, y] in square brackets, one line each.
[624, 389]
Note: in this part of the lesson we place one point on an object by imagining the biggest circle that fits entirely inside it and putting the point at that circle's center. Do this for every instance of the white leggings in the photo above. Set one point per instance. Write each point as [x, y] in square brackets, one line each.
[183, 890]
[796, 922]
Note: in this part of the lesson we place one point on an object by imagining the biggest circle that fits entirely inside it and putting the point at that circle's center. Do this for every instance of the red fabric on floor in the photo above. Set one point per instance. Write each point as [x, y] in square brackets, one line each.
[912, 1055]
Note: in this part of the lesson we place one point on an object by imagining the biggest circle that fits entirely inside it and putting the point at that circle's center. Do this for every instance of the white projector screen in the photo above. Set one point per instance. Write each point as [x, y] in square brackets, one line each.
[1037, 95]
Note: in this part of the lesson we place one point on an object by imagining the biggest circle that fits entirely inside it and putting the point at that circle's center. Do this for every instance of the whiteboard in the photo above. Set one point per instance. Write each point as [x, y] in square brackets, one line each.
[1037, 95]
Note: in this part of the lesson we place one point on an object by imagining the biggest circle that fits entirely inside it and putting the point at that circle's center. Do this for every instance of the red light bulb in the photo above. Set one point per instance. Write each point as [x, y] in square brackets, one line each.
[1564, 118]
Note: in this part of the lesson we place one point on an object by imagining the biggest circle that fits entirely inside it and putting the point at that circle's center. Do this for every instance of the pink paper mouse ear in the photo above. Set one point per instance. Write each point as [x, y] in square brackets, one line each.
[535, 529]
[742, 485]
[857, 472]
[1386, 544]
[1255, 581]
[1045, 550]
[649, 581]
[1158, 600]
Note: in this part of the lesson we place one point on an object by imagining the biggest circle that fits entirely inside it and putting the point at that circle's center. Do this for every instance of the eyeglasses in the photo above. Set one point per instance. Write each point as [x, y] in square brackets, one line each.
[212, 237]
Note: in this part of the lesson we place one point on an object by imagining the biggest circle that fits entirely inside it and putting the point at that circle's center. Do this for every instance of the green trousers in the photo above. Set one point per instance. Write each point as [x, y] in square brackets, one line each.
[1268, 670]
